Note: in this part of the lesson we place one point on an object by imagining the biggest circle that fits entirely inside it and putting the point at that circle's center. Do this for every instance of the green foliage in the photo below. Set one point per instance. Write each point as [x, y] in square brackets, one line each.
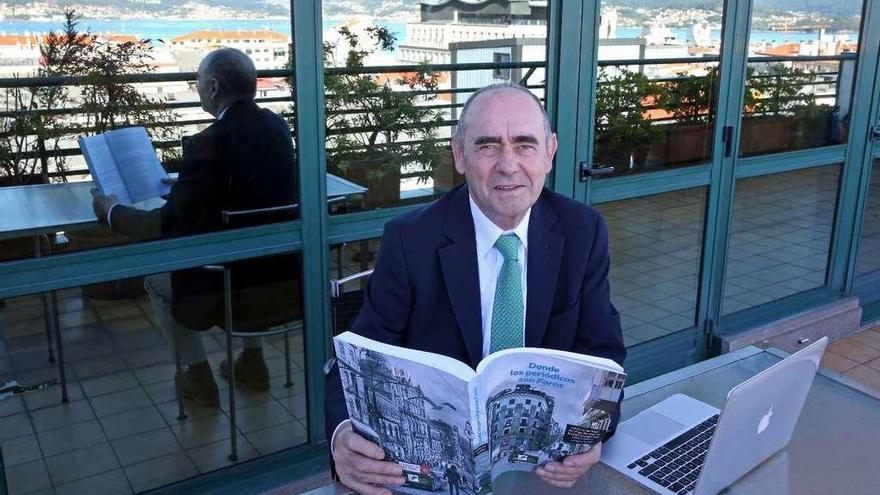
[778, 90]
[20, 138]
[784, 92]
[366, 113]
[108, 103]
[621, 98]
[691, 99]
[104, 103]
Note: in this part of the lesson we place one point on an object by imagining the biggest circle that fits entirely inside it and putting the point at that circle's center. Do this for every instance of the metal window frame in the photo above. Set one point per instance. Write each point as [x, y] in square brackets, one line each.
[721, 173]
[571, 70]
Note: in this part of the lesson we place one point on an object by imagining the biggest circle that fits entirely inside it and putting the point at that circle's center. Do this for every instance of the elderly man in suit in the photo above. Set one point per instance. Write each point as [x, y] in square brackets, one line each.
[244, 160]
[497, 263]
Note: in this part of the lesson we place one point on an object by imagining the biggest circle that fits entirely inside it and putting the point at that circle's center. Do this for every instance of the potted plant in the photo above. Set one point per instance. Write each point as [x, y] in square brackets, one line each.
[623, 129]
[813, 126]
[377, 125]
[105, 102]
[690, 103]
[774, 96]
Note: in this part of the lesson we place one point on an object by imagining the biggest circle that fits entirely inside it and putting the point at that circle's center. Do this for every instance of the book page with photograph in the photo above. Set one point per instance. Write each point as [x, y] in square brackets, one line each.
[538, 405]
[415, 406]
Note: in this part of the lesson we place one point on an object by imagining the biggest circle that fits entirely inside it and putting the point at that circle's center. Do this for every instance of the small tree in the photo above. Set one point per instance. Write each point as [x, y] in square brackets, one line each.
[367, 118]
[36, 126]
[21, 139]
[33, 127]
[621, 123]
[690, 99]
[777, 91]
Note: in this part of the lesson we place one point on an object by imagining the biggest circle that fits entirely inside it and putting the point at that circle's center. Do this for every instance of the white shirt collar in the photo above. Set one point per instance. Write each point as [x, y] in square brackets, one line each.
[487, 232]
[222, 113]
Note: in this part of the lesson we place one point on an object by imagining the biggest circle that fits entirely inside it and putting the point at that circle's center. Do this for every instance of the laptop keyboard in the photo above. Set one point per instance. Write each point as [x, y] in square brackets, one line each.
[677, 463]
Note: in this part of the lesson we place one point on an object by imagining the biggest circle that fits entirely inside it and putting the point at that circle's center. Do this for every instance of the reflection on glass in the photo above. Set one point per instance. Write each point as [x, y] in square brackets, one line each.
[352, 257]
[122, 414]
[655, 92]
[868, 262]
[644, 124]
[349, 272]
[41, 169]
[655, 243]
[799, 77]
[780, 236]
[388, 129]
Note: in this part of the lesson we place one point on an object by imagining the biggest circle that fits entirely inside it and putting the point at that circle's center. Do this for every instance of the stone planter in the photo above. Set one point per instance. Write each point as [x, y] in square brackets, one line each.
[763, 135]
[684, 144]
[381, 179]
[444, 174]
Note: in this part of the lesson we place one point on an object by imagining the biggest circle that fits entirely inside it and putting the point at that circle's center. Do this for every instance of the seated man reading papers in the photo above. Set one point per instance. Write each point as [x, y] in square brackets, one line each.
[244, 160]
[500, 262]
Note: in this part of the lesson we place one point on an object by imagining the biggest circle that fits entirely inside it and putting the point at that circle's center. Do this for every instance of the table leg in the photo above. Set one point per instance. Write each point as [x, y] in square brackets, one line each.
[38, 253]
[62, 373]
[56, 322]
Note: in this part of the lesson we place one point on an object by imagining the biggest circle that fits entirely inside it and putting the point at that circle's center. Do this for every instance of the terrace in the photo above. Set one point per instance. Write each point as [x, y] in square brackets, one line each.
[659, 137]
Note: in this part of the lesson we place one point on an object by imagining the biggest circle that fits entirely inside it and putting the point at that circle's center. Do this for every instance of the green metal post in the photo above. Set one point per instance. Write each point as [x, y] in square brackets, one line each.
[855, 180]
[563, 54]
[734, 50]
[588, 63]
[309, 101]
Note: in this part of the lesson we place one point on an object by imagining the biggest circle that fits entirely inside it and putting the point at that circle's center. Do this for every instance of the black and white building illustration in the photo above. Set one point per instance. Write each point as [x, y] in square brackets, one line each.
[393, 408]
[520, 419]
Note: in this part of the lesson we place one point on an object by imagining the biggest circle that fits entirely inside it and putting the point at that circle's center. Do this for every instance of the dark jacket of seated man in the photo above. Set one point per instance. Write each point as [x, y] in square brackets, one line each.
[244, 160]
[424, 292]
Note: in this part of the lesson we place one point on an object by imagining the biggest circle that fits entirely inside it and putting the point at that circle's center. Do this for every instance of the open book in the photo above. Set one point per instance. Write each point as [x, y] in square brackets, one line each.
[123, 162]
[446, 424]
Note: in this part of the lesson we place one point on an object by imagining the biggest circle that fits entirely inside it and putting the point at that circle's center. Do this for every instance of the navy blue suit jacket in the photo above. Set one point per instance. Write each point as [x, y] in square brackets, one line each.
[425, 294]
[243, 161]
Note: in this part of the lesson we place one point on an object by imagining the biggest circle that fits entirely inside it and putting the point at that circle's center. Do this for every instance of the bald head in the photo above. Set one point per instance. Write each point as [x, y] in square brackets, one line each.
[233, 69]
[485, 91]
[225, 76]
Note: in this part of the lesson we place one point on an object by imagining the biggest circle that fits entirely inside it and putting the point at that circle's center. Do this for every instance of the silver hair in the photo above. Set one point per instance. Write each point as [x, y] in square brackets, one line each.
[465, 111]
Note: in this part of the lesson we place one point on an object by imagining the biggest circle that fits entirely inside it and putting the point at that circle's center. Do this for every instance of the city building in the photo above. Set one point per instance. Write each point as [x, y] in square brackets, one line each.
[268, 49]
[19, 55]
[453, 21]
[522, 418]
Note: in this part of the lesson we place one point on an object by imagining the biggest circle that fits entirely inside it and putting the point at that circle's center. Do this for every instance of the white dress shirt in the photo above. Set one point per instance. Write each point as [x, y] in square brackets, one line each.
[489, 262]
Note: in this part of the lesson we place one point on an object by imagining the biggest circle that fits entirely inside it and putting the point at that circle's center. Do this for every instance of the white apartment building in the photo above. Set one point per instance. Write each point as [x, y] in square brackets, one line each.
[19, 55]
[268, 49]
[429, 42]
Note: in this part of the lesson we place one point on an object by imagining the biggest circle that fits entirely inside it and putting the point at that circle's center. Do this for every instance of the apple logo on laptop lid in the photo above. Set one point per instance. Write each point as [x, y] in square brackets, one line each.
[765, 421]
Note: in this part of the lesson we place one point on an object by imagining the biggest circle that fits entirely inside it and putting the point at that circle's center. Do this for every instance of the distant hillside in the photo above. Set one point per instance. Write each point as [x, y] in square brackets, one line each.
[845, 8]
[166, 7]
[835, 14]
[265, 7]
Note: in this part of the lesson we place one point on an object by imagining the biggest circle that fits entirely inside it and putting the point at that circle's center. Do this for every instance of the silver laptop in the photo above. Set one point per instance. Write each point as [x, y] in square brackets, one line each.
[684, 446]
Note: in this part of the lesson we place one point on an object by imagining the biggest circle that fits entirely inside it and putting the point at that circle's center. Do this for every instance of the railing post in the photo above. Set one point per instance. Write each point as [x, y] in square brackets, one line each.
[44, 159]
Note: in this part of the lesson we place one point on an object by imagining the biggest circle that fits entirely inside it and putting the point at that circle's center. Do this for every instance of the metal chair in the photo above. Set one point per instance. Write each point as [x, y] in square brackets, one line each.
[276, 321]
[346, 305]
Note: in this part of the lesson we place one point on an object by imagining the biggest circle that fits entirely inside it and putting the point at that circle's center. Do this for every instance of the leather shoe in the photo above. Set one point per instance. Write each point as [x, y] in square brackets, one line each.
[250, 369]
[197, 384]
